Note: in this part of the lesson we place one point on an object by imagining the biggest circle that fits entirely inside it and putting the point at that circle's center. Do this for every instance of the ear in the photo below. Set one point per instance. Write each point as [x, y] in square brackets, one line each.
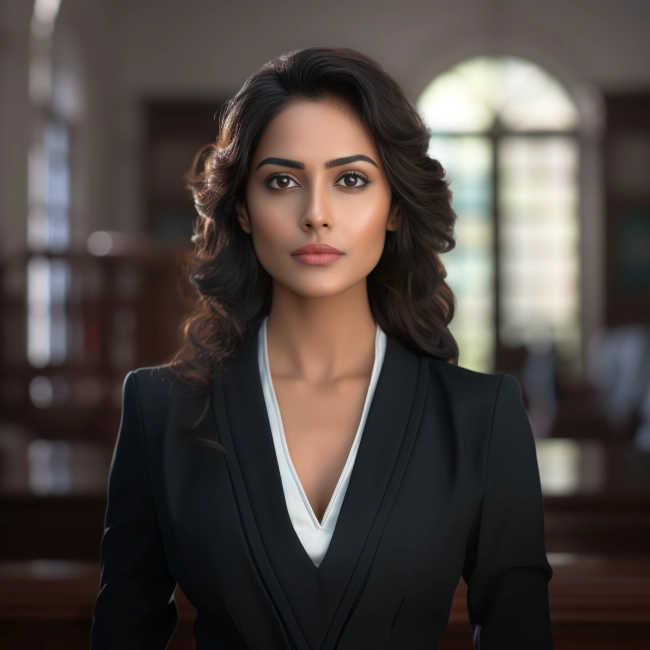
[242, 216]
[393, 220]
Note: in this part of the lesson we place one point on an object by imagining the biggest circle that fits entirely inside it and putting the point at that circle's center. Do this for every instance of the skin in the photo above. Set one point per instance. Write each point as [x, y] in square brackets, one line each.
[320, 331]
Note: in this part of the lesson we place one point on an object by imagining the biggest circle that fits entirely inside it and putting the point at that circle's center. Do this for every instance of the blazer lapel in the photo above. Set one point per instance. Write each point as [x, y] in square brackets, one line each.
[254, 506]
[314, 601]
[391, 428]
[203, 528]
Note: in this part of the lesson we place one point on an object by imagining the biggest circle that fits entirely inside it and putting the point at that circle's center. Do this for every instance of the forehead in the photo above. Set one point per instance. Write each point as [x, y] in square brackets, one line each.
[310, 130]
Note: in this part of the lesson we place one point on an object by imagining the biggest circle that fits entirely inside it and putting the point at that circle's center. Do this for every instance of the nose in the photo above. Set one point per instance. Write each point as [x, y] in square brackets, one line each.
[317, 213]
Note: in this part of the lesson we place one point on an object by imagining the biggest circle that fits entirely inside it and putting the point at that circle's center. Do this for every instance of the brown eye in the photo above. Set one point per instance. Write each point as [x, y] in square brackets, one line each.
[282, 182]
[351, 180]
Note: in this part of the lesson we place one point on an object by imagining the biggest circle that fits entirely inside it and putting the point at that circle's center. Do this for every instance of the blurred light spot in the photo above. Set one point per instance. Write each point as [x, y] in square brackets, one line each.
[41, 392]
[38, 311]
[100, 243]
[559, 466]
[49, 466]
[43, 18]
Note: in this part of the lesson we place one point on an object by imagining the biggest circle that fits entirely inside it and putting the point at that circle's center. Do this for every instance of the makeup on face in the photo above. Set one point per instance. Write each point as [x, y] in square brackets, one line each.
[316, 254]
[316, 193]
[319, 253]
[336, 162]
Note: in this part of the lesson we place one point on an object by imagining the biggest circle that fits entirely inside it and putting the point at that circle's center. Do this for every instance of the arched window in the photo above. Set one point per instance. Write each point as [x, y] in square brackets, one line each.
[506, 132]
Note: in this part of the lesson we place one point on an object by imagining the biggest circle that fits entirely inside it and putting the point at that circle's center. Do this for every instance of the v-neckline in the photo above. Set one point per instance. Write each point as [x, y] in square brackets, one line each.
[313, 600]
[352, 452]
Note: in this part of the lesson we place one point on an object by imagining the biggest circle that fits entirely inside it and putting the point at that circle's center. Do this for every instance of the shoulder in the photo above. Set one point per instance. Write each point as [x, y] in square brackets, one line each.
[479, 404]
[151, 383]
[473, 396]
[470, 388]
[164, 398]
[160, 391]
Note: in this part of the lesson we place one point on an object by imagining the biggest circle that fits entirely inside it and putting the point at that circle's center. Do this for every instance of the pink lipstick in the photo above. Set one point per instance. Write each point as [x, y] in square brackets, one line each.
[317, 254]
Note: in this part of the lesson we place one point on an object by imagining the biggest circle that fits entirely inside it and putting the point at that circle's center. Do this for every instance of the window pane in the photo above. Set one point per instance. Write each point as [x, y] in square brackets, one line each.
[539, 240]
[468, 162]
[452, 102]
[472, 94]
[532, 100]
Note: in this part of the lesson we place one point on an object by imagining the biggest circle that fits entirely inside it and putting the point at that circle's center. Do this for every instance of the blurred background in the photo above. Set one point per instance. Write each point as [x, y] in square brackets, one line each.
[540, 113]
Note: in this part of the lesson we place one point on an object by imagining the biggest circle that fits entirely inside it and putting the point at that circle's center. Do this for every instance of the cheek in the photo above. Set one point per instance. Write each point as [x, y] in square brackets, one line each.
[366, 228]
[270, 227]
[272, 240]
[268, 231]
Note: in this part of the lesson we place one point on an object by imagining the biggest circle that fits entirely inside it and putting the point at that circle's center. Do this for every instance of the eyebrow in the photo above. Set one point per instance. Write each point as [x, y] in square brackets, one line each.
[336, 162]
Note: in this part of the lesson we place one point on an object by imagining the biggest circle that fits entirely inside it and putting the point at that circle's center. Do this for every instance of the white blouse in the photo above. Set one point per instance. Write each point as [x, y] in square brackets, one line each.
[314, 535]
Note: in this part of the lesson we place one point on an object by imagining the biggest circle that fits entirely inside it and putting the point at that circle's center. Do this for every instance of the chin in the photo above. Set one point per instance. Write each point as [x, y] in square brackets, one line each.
[319, 289]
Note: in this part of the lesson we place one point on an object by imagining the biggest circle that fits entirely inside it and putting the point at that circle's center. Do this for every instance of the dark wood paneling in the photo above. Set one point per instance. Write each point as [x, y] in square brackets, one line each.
[175, 131]
[627, 208]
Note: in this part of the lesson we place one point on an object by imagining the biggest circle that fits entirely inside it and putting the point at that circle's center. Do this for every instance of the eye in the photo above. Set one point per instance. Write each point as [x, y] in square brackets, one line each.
[354, 177]
[282, 181]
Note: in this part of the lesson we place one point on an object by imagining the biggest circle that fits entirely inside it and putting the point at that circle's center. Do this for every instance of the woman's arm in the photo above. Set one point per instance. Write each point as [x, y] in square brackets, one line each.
[506, 568]
[135, 607]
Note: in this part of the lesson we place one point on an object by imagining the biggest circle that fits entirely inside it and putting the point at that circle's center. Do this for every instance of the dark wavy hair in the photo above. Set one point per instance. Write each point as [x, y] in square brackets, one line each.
[407, 292]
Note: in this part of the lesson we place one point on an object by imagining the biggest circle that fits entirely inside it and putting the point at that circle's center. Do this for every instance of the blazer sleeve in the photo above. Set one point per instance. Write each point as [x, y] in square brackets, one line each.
[506, 569]
[135, 606]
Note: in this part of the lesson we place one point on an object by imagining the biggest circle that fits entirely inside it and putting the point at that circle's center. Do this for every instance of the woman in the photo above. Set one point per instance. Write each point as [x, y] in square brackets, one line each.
[356, 471]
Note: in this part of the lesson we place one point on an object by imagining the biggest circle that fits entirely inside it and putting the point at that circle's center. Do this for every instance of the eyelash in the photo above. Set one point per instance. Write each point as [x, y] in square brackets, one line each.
[363, 177]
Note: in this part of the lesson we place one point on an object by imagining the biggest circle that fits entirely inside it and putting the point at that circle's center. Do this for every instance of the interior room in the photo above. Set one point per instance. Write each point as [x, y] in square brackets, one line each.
[540, 115]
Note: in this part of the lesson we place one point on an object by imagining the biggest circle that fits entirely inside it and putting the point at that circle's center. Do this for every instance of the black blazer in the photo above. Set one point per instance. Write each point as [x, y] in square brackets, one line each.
[445, 484]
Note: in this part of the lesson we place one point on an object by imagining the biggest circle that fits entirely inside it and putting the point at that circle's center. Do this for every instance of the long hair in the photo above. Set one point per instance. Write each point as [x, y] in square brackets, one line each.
[407, 292]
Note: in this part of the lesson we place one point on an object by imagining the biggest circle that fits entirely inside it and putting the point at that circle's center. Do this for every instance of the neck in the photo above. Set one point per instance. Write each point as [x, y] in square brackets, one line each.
[320, 340]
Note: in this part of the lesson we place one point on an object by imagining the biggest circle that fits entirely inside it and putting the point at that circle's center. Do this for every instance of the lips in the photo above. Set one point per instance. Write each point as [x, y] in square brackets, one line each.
[317, 249]
[316, 254]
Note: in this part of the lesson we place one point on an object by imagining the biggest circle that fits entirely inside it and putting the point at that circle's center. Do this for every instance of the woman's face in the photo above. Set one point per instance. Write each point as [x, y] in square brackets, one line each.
[302, 190]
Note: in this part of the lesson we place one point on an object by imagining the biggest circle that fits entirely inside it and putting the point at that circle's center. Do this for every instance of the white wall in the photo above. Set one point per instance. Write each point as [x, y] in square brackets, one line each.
[197, 45]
